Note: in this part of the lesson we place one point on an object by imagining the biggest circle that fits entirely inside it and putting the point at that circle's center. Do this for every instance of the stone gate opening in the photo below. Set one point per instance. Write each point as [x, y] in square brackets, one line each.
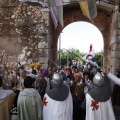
[72, 13]
[79, 36]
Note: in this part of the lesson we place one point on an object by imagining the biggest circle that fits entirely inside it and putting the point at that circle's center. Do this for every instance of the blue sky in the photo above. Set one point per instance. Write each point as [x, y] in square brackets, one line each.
[80, 35]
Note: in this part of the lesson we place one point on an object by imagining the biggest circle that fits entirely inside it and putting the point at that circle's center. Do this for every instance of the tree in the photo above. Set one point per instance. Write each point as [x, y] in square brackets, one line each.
[71, 54]
[99, 58]
[75, 54]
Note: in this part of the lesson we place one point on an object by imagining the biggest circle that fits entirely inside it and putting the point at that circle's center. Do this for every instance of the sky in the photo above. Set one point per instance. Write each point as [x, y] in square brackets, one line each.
[79, 35]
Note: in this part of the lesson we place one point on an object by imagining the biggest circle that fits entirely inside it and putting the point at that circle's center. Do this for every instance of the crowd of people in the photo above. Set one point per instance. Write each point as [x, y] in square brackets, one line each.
[76, 92]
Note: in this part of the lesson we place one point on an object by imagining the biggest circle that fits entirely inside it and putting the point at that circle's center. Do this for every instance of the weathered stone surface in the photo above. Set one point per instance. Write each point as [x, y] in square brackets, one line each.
[114, 62]
[116, 47]
[118, 32]
[23, 26]
[113, 39]
[117, 25]
[115, 54]
[118, 16]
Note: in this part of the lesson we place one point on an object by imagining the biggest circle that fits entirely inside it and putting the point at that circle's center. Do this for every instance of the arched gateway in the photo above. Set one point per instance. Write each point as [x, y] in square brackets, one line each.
[27, 26]
[107, 21]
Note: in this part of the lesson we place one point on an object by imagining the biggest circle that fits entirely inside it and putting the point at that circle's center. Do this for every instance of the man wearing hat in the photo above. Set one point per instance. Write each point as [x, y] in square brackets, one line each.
[98, 100]
[77, 91]
[57, 101]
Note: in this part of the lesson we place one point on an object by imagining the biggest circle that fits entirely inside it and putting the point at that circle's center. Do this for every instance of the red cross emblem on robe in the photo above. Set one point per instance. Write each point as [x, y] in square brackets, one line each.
[45, 102]
[95, 105]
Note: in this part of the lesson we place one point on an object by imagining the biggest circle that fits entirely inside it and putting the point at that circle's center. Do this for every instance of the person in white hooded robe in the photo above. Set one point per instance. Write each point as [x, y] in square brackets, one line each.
[58, 103]
[98, 100]
[29, 103]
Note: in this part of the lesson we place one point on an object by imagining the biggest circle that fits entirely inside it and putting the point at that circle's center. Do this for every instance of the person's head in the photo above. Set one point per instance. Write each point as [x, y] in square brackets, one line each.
[38, 65]
[86, 75]
[32, 66]
[50, 68]
[116, 69]
[45, 73]
[68, 71]
[98, 79]
[1, 81]
[78, 77]
[61, 72]
[29, 82]
[68, 78]
[40, 72]
[74, 68]
[54, 69]
[57, 79]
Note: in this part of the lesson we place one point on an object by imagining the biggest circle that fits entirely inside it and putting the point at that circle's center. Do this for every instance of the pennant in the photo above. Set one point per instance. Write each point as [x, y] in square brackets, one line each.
[92, 8]
[88, 8]
[84, 8]
[89, 56]
[90, 48]
[56, 11]
[53, 12]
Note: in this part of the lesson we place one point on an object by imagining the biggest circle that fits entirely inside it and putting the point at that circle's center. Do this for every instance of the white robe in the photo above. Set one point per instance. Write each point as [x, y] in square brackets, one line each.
[114, 78]
[57, 110]
[29, 105]
[98, 110]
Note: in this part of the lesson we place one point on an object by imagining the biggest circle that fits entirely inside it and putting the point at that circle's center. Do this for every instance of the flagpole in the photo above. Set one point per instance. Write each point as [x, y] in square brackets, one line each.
[59, 50]
[72, 53]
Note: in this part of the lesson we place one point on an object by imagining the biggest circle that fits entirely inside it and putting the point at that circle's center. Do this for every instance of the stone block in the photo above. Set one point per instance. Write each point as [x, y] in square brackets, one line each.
[117, 24]
[114, 61]
[118, 16]
[116, 46]
[118, 32]
[116, 38]
[115, 54]
[113, 39]
[43, 60]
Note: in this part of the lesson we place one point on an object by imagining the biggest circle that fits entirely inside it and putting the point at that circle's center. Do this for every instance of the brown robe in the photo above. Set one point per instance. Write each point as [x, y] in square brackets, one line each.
[6, 105]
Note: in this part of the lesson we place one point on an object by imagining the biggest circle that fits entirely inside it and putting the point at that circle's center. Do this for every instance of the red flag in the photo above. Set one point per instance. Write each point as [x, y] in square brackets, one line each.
[90, 48]
[89, 55]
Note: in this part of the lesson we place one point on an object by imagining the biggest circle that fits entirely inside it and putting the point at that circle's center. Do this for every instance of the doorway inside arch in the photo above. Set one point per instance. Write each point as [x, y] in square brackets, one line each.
[75, 40]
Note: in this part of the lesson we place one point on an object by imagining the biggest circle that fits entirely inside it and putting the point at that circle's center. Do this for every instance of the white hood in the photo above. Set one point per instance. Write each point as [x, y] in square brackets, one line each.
[4, 94]
[29, 92]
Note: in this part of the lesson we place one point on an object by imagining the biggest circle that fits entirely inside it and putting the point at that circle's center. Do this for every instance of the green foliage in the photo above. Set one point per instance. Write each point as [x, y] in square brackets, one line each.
[75, 54]
[98, 58]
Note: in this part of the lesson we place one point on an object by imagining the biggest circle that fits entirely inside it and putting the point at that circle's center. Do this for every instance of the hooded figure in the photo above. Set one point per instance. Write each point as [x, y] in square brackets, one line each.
[98, 100]
[6, 101]
[29, 102]
[58, 101]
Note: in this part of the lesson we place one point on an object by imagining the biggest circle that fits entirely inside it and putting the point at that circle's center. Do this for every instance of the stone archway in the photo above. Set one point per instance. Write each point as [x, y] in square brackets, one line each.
[72, 13]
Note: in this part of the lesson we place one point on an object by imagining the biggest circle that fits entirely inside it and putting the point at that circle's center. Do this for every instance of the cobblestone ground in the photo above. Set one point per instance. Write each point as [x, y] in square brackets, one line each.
[117, 112]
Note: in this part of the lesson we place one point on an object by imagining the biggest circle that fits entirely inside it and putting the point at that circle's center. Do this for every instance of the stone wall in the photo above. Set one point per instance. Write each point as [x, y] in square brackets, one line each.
[115, 42]
[24, 27]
